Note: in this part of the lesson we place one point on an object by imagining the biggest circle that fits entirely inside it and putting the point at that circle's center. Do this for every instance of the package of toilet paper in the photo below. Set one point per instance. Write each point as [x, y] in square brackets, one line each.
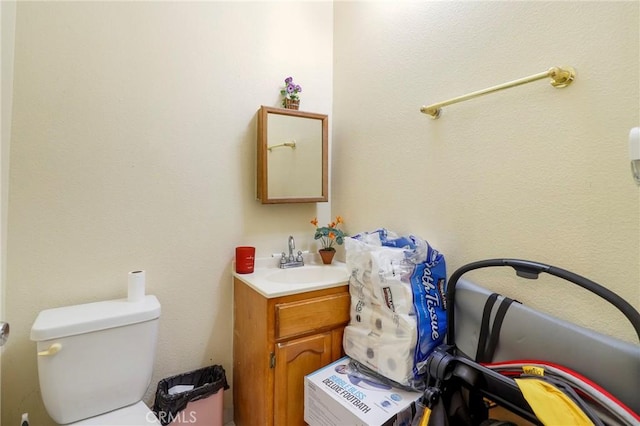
[398, 306]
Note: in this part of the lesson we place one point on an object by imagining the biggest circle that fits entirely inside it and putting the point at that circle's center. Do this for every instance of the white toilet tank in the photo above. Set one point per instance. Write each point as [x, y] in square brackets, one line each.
[96, 357]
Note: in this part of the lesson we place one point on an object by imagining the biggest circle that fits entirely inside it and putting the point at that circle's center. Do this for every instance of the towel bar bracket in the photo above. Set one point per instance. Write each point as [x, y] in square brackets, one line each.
[561, 77]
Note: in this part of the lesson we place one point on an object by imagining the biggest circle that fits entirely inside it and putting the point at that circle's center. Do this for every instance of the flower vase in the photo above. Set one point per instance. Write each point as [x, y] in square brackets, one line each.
[327, 255]
[291, 103]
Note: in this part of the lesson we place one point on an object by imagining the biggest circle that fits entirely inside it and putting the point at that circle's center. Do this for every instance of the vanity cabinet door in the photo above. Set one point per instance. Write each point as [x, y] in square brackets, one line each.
[294, 360]
[276, 342]
[337, 351]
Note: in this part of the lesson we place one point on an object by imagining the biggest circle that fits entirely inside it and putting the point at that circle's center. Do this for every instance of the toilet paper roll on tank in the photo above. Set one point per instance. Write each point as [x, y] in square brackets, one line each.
[136, 286]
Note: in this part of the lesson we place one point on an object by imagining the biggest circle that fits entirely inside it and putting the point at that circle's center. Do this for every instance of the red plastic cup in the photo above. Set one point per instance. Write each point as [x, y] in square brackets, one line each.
[245, 257]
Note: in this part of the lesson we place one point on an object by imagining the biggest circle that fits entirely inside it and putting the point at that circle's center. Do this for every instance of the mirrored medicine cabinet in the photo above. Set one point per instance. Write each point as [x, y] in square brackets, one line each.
[292, 156]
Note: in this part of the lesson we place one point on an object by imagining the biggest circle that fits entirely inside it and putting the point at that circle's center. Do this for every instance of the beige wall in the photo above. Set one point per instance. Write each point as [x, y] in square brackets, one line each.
[133, 147]
[533, 172]
[8, 19]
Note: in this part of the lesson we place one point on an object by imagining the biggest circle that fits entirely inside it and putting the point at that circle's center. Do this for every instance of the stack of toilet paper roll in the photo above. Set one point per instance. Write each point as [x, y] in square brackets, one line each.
[382, 333]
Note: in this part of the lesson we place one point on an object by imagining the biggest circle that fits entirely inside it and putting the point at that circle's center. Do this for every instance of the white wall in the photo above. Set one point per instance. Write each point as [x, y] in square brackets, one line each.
[533, 172]
[134, 147]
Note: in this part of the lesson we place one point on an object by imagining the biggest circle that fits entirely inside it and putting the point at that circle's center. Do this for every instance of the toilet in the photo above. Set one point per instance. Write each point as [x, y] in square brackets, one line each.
[95, 361]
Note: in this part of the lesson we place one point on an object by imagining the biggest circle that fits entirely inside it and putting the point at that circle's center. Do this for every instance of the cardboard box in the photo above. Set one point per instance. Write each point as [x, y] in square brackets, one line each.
[335, 397]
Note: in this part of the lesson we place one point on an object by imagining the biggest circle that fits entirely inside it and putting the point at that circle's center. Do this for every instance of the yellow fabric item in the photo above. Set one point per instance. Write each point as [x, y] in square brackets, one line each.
[426, 415]
[550, 405]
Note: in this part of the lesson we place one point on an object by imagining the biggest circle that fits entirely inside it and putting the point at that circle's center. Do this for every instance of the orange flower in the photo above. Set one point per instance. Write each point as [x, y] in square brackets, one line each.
[330, 234]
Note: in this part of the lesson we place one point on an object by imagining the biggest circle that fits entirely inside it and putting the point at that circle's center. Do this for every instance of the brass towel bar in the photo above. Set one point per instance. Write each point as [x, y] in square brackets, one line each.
[560, 77]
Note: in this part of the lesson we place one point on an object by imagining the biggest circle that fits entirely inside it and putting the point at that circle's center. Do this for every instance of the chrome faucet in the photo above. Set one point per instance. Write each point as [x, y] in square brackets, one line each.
[292, 260]
[292, 247]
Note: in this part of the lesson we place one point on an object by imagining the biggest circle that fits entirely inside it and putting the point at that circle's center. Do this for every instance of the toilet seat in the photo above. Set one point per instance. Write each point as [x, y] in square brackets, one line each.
[134, 415]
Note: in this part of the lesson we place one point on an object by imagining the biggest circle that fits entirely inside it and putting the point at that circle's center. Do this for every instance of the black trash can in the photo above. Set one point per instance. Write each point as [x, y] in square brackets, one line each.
[195, 398]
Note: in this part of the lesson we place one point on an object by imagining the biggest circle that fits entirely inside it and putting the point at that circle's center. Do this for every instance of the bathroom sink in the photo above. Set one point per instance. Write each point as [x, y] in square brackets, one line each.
[308, 274]
[271, 281]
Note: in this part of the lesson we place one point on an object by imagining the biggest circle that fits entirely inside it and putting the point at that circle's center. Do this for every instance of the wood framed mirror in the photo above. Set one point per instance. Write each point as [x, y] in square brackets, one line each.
[292, 156]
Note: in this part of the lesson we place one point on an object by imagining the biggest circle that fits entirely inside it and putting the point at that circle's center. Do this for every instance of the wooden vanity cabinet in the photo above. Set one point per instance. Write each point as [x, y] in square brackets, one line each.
[276, 342]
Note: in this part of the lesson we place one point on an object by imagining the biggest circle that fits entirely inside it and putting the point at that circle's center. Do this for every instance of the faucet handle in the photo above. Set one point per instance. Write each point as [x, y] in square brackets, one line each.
[283, 258]
[299, 258]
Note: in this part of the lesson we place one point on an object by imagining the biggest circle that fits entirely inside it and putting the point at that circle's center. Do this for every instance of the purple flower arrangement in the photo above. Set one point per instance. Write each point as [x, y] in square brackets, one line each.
[290, 90]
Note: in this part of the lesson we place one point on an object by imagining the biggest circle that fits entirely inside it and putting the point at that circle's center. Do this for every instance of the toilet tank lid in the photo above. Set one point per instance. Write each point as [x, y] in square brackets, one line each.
[78, 319]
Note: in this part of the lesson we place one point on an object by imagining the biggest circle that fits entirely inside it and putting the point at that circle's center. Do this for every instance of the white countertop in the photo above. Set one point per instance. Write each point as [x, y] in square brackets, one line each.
[271, 281]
